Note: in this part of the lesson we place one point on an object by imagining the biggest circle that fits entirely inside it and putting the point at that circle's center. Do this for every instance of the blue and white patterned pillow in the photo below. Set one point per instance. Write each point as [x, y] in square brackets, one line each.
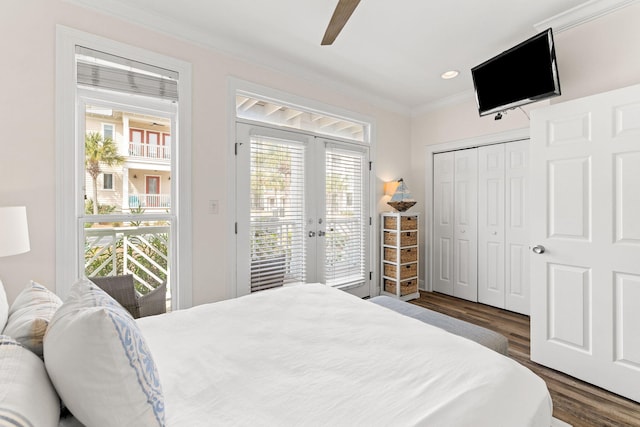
[100, 364]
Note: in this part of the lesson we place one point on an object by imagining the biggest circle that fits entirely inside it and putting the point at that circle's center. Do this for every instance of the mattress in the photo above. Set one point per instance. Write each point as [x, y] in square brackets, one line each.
[312, 355]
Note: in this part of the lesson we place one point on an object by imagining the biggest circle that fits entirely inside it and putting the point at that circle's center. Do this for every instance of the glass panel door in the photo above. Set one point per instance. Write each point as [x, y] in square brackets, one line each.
[346, 213]
[302, 211]
[277, 212]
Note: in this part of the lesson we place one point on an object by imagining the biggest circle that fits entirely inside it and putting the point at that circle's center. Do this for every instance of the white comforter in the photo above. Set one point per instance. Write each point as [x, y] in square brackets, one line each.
[311, 355]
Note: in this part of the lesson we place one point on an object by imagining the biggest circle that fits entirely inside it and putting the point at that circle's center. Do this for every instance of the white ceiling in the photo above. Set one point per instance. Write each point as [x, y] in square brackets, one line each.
[391, 51]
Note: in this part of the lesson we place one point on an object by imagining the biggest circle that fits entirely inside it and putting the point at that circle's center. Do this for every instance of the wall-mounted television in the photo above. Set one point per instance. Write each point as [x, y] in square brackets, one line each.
[523, 74]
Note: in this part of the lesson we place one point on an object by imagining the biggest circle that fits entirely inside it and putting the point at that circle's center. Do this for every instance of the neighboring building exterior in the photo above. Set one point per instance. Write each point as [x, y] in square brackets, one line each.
[143, 180]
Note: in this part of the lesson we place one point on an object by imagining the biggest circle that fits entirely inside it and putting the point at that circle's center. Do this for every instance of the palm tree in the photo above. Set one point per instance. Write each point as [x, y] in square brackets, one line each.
[98, 150]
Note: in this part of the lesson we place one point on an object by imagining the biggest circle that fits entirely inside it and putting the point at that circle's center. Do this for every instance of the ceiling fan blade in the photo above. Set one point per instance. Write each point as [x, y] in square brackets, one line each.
[341, 15]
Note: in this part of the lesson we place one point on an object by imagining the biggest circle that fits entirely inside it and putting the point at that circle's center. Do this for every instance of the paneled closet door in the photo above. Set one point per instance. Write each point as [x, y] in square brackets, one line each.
[443, 182]
[517, 292]
[491, 225]
[465, 227]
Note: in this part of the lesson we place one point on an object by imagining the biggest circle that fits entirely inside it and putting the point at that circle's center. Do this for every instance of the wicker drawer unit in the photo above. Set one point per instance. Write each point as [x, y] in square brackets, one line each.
[406, 255]
[407, 238]
[407, 287]
[405, 271]
[406, 223]
[399, 255]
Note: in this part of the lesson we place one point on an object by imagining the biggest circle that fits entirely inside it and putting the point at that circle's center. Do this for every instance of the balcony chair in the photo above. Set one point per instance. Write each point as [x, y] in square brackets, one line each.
[122, 289]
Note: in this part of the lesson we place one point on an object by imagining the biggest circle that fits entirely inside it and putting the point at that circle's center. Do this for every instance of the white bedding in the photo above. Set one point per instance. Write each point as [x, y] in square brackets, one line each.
[312, 355]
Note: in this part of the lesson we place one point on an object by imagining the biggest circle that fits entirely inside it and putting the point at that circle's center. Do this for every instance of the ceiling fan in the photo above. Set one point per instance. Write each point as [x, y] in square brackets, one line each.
[341, 15]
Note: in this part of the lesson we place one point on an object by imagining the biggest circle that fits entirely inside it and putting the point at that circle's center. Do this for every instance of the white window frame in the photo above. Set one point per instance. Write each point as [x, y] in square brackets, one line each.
[236, 85]
[68, 238]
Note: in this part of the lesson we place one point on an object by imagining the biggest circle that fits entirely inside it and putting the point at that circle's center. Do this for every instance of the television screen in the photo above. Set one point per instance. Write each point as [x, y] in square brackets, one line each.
[523, 74]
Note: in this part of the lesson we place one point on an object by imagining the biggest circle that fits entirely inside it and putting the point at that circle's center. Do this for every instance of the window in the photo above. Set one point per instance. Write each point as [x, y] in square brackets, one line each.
[107, 181]
[107, 131]
[277, 113]
[112, 94]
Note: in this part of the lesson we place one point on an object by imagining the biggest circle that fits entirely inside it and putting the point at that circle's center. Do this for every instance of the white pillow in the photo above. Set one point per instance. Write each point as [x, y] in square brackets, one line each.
[30, 314]
[100, 364]
[27, 397]
[4, 307]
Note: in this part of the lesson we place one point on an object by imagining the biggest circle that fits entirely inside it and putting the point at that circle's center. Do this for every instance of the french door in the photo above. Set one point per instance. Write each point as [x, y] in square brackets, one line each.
[302, 211]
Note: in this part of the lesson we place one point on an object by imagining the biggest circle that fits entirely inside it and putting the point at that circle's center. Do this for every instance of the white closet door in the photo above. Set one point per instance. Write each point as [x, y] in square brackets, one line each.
[465, 228]
[517, 227]
[491, 225]
[443, 202]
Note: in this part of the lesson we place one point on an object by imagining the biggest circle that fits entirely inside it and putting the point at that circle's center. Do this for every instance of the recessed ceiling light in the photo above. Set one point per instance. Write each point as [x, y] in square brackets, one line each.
[450, 74]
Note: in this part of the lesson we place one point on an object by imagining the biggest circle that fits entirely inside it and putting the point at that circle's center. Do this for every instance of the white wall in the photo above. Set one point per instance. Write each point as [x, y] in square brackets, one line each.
[27, 144]
[597, 56]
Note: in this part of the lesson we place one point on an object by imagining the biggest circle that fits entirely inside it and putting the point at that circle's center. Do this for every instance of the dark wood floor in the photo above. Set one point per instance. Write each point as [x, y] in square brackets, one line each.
[575, 402]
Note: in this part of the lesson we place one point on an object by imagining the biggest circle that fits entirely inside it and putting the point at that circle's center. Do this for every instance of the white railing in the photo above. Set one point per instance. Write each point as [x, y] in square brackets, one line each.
[150, 151]
[141, 251]
[344, 251]
[278, 251]
[149, 201]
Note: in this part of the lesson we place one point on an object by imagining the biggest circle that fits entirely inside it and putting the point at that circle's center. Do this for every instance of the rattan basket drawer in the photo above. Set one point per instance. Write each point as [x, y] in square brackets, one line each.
[406, 271]
[406, 287]
[406, 255]
[406, 222]
[409, 238]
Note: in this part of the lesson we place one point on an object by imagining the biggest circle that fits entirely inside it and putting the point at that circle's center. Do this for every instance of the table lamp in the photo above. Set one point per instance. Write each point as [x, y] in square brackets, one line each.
[14, 231]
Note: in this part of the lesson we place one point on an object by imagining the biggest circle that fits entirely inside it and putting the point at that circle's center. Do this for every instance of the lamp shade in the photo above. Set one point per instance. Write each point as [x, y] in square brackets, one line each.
[14, 232]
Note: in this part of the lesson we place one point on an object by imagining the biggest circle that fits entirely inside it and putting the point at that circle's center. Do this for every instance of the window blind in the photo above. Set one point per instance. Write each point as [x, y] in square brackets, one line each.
[102, 70]
[277, 216]
[345, 213]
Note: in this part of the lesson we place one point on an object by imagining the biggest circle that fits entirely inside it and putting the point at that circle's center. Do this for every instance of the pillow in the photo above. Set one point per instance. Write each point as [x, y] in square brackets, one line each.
[4, 307]
[99, 362]
[27, 397]
[30, 314]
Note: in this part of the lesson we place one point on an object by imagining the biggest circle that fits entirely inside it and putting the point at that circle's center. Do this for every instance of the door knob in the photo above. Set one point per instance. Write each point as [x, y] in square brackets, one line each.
[312, 234]
[538, 249]
[321, 233]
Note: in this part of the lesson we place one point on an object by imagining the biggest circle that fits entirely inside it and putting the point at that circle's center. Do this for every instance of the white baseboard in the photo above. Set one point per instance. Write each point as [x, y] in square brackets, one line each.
[558, 423]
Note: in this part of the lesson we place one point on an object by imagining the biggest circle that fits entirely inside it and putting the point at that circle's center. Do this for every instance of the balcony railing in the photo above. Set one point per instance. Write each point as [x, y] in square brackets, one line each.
[149, 151]
[149, 201]
[140, 251]
[278, 252]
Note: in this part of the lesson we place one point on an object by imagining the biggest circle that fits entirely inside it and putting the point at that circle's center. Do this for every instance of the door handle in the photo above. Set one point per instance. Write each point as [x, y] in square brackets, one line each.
[538, 249]
[312, 234]
[321, 233]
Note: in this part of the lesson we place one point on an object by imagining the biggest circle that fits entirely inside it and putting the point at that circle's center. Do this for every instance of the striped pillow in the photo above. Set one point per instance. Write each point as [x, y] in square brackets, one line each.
[27, 398]
[4, 307]
[30, 315]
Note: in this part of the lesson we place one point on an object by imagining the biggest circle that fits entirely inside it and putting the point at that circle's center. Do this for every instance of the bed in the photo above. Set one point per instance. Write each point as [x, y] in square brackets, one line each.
[313, 355]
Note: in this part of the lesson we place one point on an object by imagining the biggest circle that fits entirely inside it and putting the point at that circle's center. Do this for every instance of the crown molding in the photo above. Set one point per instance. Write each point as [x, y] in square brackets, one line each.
[120, 9]
[570, 18]
[578, 15]
[454, 99]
